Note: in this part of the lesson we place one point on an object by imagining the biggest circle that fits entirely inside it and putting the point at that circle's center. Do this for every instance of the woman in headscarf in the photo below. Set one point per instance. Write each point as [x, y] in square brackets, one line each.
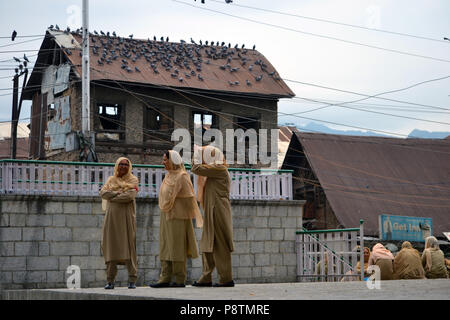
[178, 207]
[213, 194]
[357, 272]
[384, 259]
[433, 260]
[407, 263]
[119, 227]
[324, 276]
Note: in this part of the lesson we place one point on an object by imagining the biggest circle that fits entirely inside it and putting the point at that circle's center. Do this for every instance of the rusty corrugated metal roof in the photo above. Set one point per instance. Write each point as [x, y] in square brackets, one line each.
[171, 64]
[364, 177]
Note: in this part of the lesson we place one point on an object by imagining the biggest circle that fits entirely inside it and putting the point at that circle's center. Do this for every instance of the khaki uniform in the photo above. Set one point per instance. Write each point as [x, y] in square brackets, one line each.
[438, 268]
[216, 243]
[119, 233]
[407, 265]
[177, 240]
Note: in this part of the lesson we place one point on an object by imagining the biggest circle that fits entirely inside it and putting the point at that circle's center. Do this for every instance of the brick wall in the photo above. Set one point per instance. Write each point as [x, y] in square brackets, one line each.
[41, 236]
[134, 106]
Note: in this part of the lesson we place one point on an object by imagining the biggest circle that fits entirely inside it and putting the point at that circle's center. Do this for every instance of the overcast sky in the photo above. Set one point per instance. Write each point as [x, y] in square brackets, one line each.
[297, 55]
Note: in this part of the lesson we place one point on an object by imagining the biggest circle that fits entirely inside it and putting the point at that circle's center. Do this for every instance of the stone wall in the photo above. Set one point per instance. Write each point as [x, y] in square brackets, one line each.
[41, 236]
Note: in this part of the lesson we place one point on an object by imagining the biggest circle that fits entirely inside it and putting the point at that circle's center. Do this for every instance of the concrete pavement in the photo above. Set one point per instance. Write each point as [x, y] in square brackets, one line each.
[390, 290]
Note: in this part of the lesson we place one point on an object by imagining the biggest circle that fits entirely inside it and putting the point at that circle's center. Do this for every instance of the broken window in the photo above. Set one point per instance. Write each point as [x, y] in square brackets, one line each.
[249, 138]
[158, 124]
[110, 122]
[204, 120]
[51, 112]
[246, 123]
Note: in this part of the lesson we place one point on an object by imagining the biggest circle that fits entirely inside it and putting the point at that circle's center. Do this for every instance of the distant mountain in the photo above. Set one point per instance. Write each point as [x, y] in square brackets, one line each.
[416, 133]
[316, 127]
[320, 128]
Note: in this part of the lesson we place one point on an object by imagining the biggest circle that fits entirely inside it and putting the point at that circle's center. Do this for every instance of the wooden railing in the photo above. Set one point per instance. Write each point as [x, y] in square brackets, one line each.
[30, 177]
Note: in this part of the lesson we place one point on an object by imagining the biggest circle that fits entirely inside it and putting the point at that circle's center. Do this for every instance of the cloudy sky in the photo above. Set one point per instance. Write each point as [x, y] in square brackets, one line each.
[313, 56]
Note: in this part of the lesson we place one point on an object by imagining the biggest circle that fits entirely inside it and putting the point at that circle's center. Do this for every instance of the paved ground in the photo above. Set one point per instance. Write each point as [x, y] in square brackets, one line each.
[391, 290]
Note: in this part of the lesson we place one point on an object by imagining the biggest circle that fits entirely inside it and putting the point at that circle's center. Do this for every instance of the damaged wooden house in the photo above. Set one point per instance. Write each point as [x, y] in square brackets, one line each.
[141, 90]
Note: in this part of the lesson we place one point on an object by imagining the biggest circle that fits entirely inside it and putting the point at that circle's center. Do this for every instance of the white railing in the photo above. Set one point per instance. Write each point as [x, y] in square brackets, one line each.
[336, 252]
[29, 177]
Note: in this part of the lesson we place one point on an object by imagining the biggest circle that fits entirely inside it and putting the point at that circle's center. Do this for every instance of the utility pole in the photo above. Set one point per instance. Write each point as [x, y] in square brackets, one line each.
[17, 105]
[15, 116]
[86, 143]
[85, 109]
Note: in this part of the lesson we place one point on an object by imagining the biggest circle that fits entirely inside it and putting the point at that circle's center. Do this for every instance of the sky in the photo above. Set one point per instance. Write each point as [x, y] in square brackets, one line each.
[303, 50]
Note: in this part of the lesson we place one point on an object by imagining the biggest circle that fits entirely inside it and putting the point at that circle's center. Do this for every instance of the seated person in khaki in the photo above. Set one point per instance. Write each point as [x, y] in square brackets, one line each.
[433, 260]
[407, 263]
[384, 259]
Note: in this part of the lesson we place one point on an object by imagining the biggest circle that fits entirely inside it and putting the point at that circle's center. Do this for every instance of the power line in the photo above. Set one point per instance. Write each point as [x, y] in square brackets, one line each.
[315, 34]
[16, 43]
[28, 36]
[361, 94]
[283, 113]
[407, 181]
[245, 105]
[398, 90]
[334, 22]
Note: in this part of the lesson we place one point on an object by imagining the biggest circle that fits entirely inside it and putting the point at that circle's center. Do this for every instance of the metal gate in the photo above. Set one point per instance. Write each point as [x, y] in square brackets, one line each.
[330, 255]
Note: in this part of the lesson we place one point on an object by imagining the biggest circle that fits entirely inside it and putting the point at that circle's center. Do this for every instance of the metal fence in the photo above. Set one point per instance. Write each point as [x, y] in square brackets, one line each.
[30, 177]
[330, 255]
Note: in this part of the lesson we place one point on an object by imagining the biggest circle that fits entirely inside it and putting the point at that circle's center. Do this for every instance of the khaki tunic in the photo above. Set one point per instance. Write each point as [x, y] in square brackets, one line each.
[173, 246]
[217, 206]
[386, 269]
[119, 227]
[438, 268]
[407, 265]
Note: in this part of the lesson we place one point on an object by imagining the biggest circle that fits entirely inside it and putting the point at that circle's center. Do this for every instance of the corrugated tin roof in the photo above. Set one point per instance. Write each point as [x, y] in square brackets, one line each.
[364, 177]
[176, 64]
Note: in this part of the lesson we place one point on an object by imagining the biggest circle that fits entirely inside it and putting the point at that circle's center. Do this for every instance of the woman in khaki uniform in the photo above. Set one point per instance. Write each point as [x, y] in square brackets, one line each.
[433, 260]
[216, 243]
[176, 234]
[407, 263]
[384, 259]
[119, 227]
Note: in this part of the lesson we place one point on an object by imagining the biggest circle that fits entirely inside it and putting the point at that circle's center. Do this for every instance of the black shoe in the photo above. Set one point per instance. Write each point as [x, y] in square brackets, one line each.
[160, 285]
[226, 284]
[177, 285]
[202, 284]
[110, 285]
[131, 285]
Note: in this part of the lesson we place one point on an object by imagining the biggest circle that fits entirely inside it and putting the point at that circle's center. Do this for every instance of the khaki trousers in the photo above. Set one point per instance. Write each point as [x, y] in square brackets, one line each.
[171, 269]
[111, 271]
[220, 258]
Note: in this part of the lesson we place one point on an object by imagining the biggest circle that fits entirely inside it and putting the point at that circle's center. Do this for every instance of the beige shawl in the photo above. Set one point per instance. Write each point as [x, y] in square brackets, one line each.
[122, 184]
[212, 156]
[177, 184]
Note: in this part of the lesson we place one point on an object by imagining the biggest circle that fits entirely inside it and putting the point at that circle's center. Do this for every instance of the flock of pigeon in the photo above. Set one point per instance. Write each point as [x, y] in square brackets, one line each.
[183, 60]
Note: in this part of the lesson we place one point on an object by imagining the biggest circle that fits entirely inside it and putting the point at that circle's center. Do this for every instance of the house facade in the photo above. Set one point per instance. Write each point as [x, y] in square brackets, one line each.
[142, 90]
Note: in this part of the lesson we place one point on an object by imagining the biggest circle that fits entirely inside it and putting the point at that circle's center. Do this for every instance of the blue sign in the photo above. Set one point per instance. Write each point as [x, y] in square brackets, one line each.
[405, 228]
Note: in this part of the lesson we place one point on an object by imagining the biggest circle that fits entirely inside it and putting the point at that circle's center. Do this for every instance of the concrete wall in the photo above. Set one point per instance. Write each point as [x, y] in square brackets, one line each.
[41, 236]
